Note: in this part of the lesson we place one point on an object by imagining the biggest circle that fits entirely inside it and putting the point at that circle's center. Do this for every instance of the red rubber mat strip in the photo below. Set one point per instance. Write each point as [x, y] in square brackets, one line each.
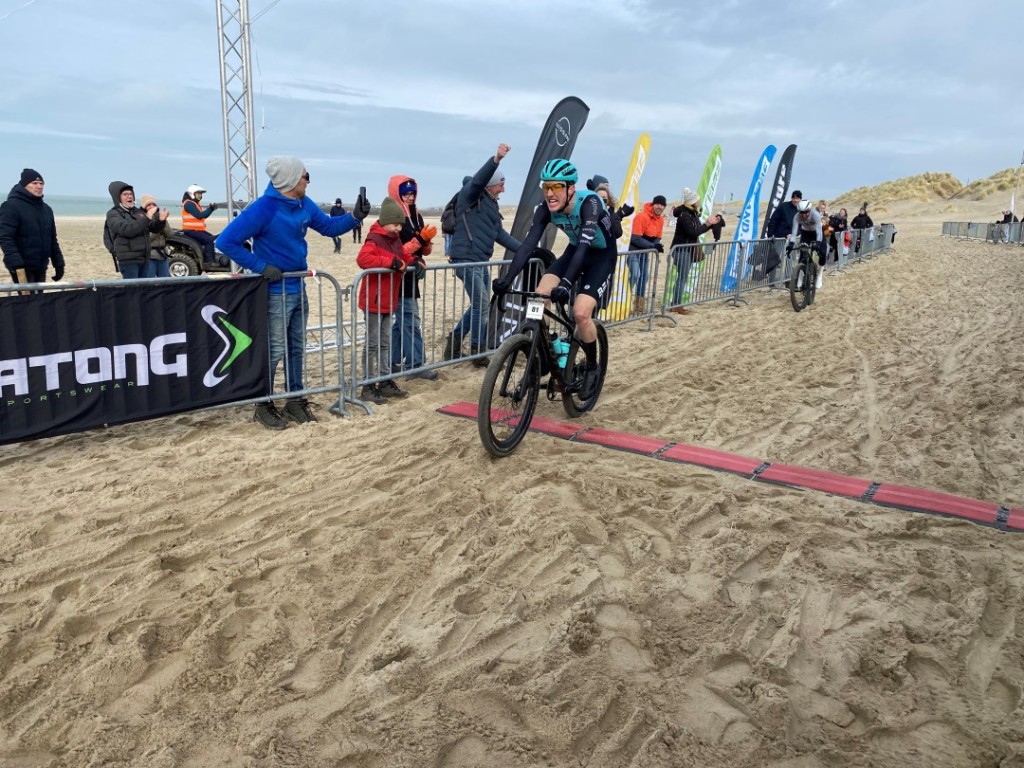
[908, 497]
[712, 459]
[815, 479]
[884, 494]
[648, 446]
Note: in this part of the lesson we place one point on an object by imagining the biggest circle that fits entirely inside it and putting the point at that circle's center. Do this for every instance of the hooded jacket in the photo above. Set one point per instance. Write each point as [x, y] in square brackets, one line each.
[28, 234]
[378, 292]
[277, 226]
[478, 220]
[129, 228]
[689, 227]
[781, 222]
[410, 242]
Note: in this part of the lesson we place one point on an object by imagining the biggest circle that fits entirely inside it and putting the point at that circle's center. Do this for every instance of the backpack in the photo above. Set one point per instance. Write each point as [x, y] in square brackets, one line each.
[448, 216]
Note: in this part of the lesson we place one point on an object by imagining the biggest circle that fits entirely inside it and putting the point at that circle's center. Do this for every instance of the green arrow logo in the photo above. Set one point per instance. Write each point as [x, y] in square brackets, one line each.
[234, 345]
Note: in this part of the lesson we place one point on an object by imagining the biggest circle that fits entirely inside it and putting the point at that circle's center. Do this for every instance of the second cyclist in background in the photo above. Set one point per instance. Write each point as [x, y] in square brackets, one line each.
[587, 263]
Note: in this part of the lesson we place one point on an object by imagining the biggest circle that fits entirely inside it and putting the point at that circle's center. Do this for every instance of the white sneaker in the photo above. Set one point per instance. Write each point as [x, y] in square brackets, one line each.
[817, 282]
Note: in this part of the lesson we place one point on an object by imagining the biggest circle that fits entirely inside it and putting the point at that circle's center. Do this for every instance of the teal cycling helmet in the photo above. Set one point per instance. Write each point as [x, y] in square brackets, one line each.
[559, 170]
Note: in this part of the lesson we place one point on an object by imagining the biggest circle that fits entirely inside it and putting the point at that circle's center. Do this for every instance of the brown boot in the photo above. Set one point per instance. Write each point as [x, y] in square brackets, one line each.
[639, 305]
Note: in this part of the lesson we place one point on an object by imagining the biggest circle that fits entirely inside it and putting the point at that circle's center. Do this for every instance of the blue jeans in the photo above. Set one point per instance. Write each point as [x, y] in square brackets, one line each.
[475, 279]
[131, 271]
[406, 336]
[158, 268]
[286, 319]
[637, 263]
[206, 240]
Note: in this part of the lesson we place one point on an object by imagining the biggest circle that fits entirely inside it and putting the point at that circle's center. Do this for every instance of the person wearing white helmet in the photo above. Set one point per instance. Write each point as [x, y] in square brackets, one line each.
[193, 223]
[807, 226]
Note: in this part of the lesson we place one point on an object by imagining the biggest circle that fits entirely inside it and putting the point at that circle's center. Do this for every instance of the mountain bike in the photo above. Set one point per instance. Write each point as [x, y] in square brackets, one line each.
[513, 381]
[805, 274]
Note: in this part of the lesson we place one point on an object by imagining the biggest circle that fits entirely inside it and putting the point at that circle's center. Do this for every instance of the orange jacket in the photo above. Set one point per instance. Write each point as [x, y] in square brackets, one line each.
[647, 225]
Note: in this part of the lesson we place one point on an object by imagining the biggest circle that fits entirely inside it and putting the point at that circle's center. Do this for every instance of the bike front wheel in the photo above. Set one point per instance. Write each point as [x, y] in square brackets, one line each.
[801, 286]
[508, 395]
[572, 401]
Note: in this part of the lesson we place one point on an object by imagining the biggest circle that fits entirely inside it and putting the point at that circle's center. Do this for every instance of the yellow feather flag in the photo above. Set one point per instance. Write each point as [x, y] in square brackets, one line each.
[620, 303]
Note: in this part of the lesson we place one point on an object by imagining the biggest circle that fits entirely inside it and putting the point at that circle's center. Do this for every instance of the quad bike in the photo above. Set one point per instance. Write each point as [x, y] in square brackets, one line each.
[185, 257]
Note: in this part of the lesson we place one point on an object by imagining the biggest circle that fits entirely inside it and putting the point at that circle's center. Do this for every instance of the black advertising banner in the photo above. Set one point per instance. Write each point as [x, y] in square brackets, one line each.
[557, 139]
[783, 175]
[80, 359]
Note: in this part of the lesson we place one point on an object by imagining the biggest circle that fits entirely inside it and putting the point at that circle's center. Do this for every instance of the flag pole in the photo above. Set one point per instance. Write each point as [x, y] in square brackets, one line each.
[1016, 188]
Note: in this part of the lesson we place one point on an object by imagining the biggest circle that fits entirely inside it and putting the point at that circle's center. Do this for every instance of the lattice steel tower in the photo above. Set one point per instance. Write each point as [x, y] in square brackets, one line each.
[236, 102]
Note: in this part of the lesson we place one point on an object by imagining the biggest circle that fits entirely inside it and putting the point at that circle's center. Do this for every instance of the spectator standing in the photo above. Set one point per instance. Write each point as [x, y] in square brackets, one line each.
[128, 229]
[156, 263]
[277, 222]
[862, 220]
[407, 350]
[378, 295]
[193, 223]
[28, 232]
[477, 228]
[779, 227]
[689, 228]
[839, 226]
[600, 185]
[648, 226]
[337, 210]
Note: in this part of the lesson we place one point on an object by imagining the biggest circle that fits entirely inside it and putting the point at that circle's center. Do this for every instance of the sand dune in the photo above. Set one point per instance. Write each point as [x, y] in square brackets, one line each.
[377, 591]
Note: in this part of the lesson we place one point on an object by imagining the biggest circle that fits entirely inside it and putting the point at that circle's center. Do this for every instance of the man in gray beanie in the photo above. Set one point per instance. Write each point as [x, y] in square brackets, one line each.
[477, 228]
[276, 223]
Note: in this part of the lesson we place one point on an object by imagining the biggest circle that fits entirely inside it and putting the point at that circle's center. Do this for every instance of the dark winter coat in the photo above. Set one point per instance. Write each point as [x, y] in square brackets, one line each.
[129, 228]
[478, 220]
[861, 221]
[28, 234]
[689, 227]
[781, 222]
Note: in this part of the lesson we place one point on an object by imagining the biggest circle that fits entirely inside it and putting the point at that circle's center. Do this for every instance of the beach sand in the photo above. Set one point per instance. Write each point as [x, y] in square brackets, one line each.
[377, 591]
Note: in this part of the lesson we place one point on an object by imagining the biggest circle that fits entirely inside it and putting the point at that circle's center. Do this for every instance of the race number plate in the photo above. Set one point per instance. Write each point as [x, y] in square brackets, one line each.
[534, 309]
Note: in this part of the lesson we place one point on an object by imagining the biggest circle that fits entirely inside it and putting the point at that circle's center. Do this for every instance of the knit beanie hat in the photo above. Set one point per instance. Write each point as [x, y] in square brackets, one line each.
[407, 186]
[28, 176]
[598, 182]
[659, 200]
[496, 179]
[146, 200]
[285, 172]
[391, 212]
[690, 197]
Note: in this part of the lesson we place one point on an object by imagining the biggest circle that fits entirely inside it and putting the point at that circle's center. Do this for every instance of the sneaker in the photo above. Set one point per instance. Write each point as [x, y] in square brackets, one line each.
[371, 393]
[390, 389]
[479, 362]
[591, 377]
[428, 375]
[817, 282]
[299, 411]
[268, 415]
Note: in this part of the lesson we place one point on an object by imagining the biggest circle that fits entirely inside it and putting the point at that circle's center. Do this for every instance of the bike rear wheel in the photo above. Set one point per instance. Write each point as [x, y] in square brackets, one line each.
[508, 396]
[572, 402]
[801, 286]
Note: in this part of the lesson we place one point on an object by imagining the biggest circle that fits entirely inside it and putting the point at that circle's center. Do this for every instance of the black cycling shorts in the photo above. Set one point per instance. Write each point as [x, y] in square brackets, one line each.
[596, 278]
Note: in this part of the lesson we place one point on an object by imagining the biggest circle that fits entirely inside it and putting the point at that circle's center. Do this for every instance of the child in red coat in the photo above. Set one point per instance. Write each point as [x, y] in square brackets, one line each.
[378, 297]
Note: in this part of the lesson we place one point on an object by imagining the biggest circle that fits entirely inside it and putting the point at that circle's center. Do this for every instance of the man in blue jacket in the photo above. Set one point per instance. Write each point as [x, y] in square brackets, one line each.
[477, 228]
[277, 223]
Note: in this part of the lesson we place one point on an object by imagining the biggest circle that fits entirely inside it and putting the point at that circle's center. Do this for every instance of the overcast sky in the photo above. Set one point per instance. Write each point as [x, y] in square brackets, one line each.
[870, 90]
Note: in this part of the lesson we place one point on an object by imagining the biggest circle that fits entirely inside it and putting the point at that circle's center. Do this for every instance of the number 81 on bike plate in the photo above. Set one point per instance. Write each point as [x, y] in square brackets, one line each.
[535, 309]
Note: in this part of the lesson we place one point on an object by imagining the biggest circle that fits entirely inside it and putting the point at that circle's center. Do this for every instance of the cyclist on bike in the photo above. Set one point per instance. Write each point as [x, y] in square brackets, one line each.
[807, 224]
[587, 263]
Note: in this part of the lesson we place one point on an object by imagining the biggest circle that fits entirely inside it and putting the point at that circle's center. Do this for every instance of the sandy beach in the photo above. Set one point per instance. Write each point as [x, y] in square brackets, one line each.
[376, 591]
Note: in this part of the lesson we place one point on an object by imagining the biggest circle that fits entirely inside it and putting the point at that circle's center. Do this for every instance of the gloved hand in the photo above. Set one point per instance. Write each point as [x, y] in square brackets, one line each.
[213, 206]
[500, 286]
[421, 269]
[659, 247]
[361, 209]
[397, 264]
[560, 293]
[427, 233]
[626, 210]
[272, 273]
[58, 273]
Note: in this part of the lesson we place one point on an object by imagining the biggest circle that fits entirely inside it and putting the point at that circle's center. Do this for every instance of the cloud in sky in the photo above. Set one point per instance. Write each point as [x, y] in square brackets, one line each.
[869, 91]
